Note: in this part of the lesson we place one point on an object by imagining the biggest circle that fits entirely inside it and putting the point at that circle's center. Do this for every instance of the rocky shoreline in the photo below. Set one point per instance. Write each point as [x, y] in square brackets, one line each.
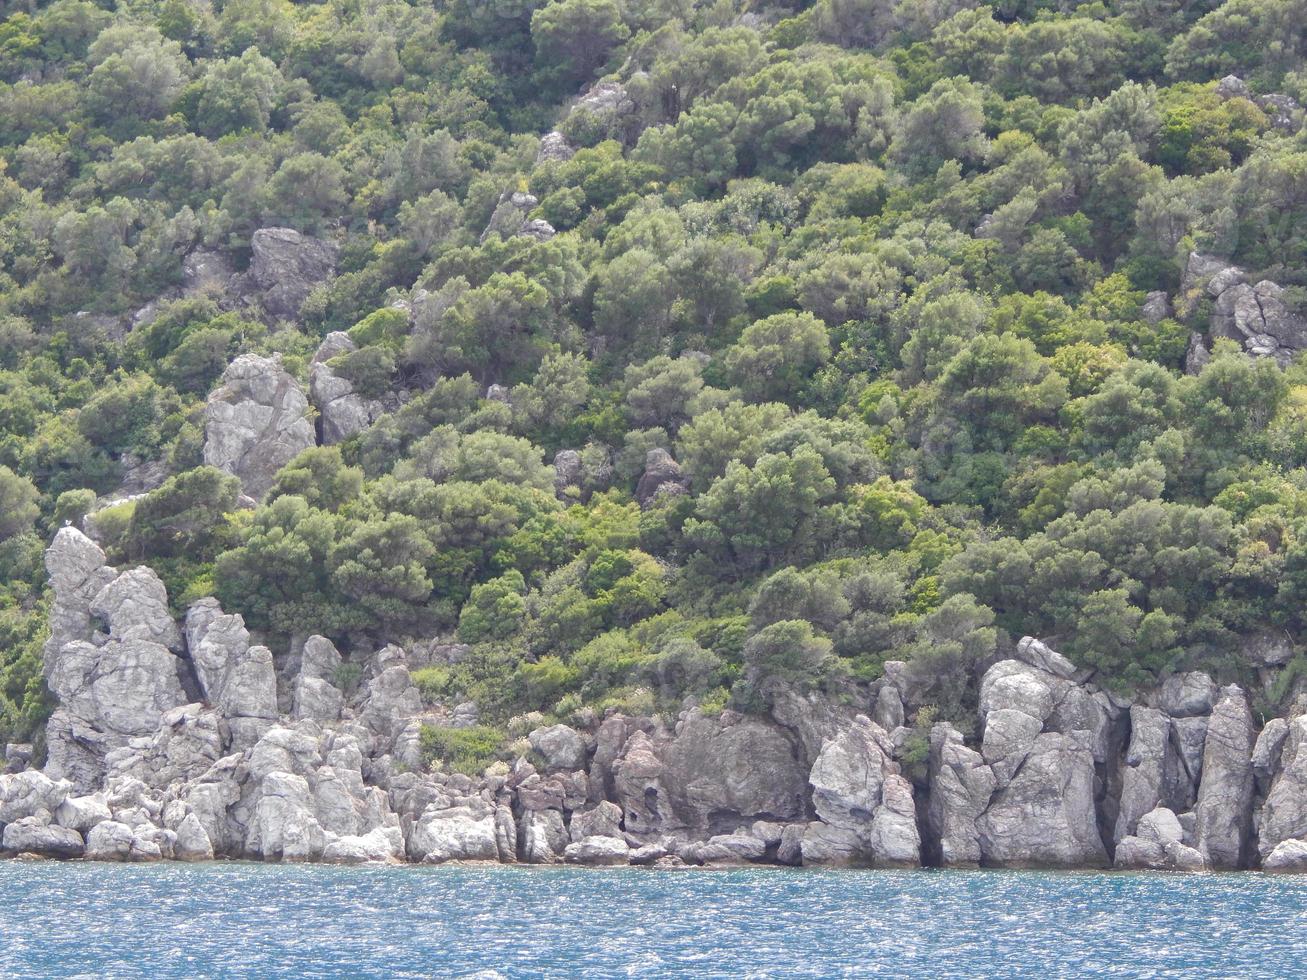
[190, 742]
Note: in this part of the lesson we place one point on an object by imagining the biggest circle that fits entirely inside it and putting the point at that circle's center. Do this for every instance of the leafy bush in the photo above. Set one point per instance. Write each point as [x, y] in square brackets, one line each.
[465, 750]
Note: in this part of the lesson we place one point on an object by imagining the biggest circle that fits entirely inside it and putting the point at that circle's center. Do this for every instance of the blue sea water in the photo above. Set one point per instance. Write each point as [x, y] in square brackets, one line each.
[251, 920]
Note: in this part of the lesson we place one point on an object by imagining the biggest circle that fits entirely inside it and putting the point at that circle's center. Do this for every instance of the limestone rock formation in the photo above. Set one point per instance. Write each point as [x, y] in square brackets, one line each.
[1158, 844]
[343, 411]
[560, 746]
[857, 789]
[239, 680]
[1290, 856]
[662, 476]
[1225, 796]
[462, 833]
[1284, 814]
[961, 785]
[316, 696]
[286, 266]
[510, 218]
[34, 835]
[1045, 816]
[1148, 761]
[1253, 314]
[598, 851]
[256, 422]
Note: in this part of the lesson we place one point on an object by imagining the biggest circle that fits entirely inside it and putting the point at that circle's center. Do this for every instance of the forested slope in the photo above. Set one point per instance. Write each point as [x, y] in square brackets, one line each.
[691, 350]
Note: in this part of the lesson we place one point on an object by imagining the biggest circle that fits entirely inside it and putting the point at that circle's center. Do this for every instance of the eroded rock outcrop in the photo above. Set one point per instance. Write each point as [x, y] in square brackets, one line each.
[1254, 314]
[342, 410]
[255, 422]
[1225, 796]
[198, 742]
[286, 266]
[109, 687]
[661, 477]
[866, 808]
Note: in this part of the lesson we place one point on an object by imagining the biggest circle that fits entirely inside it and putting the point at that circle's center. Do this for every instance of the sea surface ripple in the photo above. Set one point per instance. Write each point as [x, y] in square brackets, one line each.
[253, 920]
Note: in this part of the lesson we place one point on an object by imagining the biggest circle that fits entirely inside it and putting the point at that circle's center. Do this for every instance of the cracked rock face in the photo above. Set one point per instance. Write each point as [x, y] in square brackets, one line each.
[662, 476]
[857, 790]
[1253, 314]
[108, 688]
[256, 422]
[78, 572]
[286, 266]
[1225, 795]
[239, 680]
[136, 603]
[1284, 814]
[344, 412]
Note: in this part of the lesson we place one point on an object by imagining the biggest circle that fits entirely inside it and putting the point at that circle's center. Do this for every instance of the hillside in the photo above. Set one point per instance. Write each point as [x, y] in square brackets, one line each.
[642, 355]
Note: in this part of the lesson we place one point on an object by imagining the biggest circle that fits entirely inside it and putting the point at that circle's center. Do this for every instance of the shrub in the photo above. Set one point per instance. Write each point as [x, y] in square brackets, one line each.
[465, 750]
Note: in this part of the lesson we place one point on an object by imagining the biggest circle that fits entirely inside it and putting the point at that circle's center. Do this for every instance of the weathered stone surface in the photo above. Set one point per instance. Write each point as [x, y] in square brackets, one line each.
[961, 786]
[1197, 355]
[1289, 857]
[77, 570]
[598, 851]
[510, 215]
[1284, 814]
[554, 147]
[342, 410]
[727, 772]
[206, 271]
[662, 476]
[18, 756]
[1159, 844]
[1045, 816]
[315, 695]
[192, 842]
[391, 700]
[283, 826]
[1269, 648]
[1187, 695]
[107, 695]
[1143, 785]
[135, 604]
[1041, 656]
[604, 819]
[1156, 308]
[189, 740]
[541, 836]
[810, 717]
[895, 838]
[1013, 685]
[568, 471]
[81, 813]
[35, 835]
[1188, 736]
[856, 787]
[560, 746]
[30, 793]
[640, 788]
[286, 266]
[116, 841]
[377, 846]
[1224, 810]
[888, 710]
[462, 833]
[1268, 751]
[1009, 736]
[1254, 314]
[723, 849]
[255, 422]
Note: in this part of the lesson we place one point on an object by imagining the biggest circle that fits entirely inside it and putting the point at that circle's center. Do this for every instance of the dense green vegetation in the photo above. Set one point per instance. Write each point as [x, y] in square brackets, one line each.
[871, 271]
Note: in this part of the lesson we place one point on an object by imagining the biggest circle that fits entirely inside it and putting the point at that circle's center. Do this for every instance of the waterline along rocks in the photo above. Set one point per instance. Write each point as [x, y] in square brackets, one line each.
[191, 741]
